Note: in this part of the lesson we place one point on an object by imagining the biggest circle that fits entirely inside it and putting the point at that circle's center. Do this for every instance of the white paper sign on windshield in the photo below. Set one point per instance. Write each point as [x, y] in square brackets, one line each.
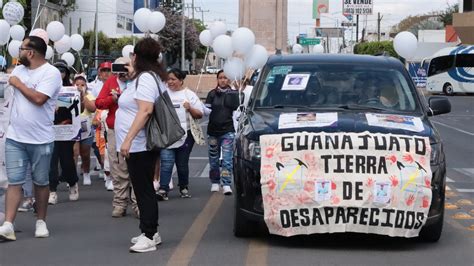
[295, 82]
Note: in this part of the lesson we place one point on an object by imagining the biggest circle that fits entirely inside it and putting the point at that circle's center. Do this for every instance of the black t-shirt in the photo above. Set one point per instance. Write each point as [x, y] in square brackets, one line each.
[220, 119]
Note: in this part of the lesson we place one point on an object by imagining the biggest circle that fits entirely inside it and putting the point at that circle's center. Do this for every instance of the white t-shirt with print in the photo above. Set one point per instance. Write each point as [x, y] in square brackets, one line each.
[178, 98]
[29, 122]
[128, 107]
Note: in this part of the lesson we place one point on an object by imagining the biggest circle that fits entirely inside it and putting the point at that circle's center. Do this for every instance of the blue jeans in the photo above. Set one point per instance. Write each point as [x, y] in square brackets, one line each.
[225, 144]
[28, 185]
[19, 155]
[180, 157]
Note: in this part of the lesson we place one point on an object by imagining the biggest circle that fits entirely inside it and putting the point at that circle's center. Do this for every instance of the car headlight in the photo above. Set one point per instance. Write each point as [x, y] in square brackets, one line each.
[435, 153]
[254, 149]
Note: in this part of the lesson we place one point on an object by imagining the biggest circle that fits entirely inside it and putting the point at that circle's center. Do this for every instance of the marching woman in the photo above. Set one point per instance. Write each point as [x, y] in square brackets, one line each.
[136, 105]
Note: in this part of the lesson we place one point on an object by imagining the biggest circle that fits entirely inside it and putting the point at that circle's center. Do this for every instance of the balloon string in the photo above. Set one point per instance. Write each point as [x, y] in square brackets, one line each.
[38, 13]
[202, 69]
[80, 60]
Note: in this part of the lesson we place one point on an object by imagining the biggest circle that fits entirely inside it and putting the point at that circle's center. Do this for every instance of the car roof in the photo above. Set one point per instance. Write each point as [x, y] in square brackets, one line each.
[382, 61]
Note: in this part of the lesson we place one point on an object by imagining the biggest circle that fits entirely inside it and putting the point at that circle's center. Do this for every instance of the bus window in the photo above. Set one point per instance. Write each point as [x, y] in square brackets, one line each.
[440, 64]
[465, 60]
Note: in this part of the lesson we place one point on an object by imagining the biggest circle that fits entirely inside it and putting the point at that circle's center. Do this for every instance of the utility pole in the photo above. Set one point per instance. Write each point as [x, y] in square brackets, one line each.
[183, 28]
[379, 19]
[357, 28]
[96, 34]
[192, 7]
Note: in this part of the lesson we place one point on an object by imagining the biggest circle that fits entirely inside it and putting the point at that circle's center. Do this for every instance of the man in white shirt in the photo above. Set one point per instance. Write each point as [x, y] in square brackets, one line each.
[104, 73]
[30, 135]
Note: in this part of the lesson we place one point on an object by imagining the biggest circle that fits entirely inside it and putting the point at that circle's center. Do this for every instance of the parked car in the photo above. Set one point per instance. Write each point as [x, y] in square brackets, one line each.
[212, 70]
[288, 147]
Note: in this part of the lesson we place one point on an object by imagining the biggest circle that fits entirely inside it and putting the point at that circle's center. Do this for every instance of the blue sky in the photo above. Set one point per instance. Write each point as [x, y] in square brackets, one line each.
[300, 14]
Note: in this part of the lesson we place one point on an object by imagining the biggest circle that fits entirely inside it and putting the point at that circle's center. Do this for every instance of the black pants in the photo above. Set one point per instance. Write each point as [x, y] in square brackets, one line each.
[63, 154]
[141, 168]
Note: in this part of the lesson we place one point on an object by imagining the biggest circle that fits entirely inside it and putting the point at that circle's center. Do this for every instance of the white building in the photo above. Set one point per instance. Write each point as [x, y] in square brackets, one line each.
[115, 17]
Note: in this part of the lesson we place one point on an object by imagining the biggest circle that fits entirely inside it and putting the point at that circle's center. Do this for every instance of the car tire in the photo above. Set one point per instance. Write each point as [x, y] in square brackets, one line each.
[243, 227]
[448, 89]
[432, 233]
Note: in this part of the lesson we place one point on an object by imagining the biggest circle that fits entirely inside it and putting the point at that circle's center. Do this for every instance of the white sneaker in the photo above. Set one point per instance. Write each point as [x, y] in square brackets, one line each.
[109, 185]
[156, 185]
[215, 187]
[41, 229]
[53, 198]
[74, 192]
[156, 238]
[227, 190]
[144, 244]
[86, 180]
[7, 232]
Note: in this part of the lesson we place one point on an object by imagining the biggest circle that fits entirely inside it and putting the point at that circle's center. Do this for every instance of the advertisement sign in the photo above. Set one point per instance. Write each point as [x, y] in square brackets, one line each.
[345, 182]
[320, 7]
[358, 7]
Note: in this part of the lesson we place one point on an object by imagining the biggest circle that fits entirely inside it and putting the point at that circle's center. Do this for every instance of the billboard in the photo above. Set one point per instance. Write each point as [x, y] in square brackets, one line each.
[358, 7]
[137, 4]
[320, 7]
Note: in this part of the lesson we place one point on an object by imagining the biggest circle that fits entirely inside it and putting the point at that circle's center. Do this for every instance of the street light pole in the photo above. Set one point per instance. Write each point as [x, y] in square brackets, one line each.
[183, 28]
[96, 34]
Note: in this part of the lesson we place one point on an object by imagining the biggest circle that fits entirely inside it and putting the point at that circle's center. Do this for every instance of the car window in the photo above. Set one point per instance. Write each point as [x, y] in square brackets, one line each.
[330, 85]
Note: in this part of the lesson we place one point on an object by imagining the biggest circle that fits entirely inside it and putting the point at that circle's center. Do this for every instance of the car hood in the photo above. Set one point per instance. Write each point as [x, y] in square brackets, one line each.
[264, 122]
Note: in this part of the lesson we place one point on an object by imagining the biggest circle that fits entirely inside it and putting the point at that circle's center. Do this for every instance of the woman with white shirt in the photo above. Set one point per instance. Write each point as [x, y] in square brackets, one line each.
[136, 105]
[184, 101]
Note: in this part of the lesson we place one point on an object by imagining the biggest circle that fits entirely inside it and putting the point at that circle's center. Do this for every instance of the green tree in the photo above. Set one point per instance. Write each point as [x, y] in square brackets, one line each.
[446, 17]
[374, 48]
[105, 44]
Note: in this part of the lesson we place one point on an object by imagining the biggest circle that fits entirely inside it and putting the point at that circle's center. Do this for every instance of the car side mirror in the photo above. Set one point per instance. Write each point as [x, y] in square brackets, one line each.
[438, 105]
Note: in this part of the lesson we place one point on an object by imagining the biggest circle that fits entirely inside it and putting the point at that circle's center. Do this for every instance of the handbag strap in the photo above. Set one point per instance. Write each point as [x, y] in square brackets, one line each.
[154, 77]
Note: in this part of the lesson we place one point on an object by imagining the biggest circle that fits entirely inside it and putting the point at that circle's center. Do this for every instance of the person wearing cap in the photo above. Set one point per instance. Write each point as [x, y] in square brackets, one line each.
[108, 99]
[30, 135]
[104, 73]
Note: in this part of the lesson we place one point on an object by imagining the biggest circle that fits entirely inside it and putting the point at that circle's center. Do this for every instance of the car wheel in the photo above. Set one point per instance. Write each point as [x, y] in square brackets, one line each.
[432, 233]
[242, 226]
[448, 89]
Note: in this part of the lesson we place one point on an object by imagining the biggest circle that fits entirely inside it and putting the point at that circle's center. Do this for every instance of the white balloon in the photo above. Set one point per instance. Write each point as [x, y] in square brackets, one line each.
[77, 42]
[405, 44]
[297, 48]
[14, 48]
[55, 30]
[141, 17]
[318, 49]
[13, 12]
[222, 46]
[17, 32]
[234, 68]
[49, 53]
[40, 33]
[257, 57]
[4, 32]
[243, 40]
[156, 21]
[217, 28]
[63, 45]
[205, 38]
[69, 58]
[126, 50]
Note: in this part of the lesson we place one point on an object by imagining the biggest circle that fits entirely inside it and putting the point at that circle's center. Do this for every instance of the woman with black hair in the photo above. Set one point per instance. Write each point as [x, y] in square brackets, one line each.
[136, 105]
[63, 152]
[184, 101]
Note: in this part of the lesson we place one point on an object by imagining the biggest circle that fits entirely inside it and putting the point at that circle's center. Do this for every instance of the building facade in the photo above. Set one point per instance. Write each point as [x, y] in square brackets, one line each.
[268, 20]
[463, 21]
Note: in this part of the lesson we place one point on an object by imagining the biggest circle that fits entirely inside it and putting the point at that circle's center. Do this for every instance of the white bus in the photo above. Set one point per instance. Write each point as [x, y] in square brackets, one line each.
[451, 70]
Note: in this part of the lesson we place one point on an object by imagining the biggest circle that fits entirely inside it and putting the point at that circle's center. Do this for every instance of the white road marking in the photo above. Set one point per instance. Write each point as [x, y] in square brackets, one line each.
[199, 158]
[449, 180]
[466, 190]
[448, 188]
[454, 128]
[466, 171]
[205, 172]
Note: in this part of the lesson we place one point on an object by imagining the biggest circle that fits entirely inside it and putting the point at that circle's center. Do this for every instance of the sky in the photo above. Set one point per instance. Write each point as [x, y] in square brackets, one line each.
[300, 14]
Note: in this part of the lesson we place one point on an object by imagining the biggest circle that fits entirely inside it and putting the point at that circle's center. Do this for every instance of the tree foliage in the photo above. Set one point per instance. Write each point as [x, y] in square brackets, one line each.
[374, 48]
[446, 17]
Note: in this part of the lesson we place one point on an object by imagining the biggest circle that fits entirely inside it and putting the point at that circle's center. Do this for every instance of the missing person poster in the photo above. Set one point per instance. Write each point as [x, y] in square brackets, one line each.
[67, 120]
[5, 110]
[345, 182]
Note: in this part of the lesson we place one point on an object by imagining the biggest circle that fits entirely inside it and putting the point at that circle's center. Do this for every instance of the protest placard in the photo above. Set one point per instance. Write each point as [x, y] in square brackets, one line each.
[67, 120]
[345, 182]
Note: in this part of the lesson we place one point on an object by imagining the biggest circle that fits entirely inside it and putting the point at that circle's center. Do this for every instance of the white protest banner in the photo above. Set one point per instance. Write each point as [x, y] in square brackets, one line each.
[358, 7]
[6, 98]
[345, 182]
[67, 121]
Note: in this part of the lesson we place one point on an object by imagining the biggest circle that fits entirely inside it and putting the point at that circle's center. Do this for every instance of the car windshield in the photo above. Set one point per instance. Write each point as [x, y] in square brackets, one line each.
[335, 86]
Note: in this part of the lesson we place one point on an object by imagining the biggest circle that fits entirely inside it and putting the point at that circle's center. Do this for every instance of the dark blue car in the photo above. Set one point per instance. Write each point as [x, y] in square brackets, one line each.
[350, 94]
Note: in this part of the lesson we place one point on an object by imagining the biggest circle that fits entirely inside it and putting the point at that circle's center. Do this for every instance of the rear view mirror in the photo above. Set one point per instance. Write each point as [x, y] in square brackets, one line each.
[438, 105]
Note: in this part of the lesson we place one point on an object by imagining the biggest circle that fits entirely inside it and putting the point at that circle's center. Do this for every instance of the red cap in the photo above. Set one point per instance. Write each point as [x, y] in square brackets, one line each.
[105, 65]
